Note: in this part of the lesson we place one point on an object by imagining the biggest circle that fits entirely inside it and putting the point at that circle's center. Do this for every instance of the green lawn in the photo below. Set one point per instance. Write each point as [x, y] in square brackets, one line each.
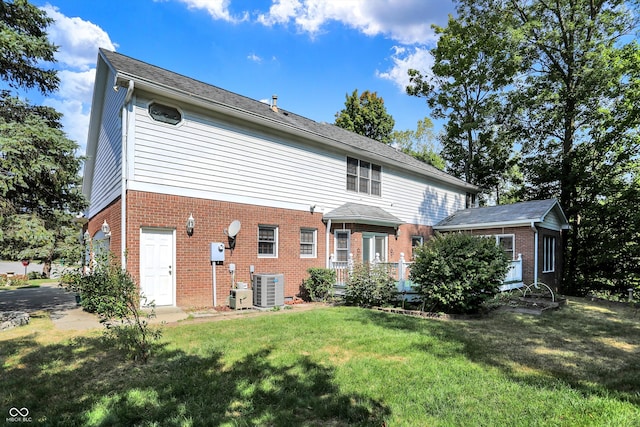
[339, 367]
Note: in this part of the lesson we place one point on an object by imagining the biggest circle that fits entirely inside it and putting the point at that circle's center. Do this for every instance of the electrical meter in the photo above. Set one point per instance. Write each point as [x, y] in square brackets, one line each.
[217, 252]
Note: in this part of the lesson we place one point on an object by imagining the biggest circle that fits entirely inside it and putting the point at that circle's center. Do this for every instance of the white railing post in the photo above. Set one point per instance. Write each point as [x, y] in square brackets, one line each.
[350, 263]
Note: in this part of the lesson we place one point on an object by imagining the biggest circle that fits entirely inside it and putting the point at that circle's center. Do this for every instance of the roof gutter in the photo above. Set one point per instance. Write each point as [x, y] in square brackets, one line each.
[535, 252]
[123, 174]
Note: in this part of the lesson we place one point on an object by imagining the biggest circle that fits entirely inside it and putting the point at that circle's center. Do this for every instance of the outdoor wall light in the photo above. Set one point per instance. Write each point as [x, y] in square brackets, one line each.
[191, 224]
[105, 228]
[312, 208]
[397, 233]
[86, 236]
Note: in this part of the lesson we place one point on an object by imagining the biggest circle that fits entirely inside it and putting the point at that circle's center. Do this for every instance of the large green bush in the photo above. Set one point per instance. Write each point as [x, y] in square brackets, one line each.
[457, 272]
[319, 285]
[370, 286]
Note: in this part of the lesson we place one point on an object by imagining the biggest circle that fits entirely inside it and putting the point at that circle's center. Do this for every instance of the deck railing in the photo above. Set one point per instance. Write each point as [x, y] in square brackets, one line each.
[400, 272]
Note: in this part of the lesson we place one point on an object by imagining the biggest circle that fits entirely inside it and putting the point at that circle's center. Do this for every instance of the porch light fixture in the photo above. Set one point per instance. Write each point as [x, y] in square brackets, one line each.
[397, 233]
[105, 228]
[191, 224]
[312, 208]
[86, 236]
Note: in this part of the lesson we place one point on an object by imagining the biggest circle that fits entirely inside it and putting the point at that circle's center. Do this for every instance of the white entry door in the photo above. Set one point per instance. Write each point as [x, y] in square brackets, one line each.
[157, 266]
[372, 244]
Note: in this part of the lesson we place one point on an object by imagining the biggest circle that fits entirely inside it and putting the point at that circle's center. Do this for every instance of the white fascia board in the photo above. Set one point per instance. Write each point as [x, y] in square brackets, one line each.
[143, 84]
[480, 226]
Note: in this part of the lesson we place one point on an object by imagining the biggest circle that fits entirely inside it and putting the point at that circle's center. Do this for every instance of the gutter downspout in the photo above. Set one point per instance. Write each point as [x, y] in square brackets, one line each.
[327, 234]
[123, 188]
[535, 253]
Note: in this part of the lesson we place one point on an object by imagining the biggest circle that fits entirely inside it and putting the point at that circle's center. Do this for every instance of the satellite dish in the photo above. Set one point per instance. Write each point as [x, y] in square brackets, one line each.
[234, 228]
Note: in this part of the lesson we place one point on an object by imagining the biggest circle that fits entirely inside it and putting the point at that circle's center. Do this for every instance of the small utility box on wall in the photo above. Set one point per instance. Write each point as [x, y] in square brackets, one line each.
[217, 252]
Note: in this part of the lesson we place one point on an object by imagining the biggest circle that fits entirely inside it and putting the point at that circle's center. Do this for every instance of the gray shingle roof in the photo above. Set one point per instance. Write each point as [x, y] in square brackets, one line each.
[523, 212]
[128, 67]
[362, 214]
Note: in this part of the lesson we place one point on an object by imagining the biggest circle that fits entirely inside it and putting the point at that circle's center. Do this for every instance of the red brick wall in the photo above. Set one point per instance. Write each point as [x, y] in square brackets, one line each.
[524, 244]
[193, 271]
[112, 215]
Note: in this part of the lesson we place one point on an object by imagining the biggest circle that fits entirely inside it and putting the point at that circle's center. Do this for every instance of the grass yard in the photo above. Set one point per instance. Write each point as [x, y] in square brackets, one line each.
[339, 367]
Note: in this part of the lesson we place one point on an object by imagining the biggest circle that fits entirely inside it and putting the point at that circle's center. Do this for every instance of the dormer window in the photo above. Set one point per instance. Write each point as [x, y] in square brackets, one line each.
[164, 113]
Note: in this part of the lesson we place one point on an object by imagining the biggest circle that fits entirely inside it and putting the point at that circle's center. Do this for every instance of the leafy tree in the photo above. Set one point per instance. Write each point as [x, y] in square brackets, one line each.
[40, 186]
[560, 80]
[366, 115]
[419, 143]
[576, 112]
[24, 47]
[472, 65]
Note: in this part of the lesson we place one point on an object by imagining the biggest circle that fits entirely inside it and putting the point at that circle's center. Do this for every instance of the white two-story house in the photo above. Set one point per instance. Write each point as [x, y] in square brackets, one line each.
[175, 164]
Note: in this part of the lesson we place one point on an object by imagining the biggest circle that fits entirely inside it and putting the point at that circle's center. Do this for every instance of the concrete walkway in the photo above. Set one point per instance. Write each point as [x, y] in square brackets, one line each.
[67, 315]
[78, 319]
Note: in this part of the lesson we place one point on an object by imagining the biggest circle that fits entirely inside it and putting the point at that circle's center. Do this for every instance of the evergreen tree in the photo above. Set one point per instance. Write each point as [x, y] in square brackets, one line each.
[39, 170]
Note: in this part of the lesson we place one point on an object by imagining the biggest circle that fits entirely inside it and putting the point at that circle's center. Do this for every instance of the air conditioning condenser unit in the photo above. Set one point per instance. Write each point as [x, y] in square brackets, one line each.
[268, 290]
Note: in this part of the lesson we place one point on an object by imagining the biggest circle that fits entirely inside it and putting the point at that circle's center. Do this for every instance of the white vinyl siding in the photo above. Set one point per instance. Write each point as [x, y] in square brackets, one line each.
[206, 158]
[108, 167]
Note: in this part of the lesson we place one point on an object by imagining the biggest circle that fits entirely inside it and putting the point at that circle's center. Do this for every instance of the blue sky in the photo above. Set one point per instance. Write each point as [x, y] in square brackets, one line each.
[310, 53]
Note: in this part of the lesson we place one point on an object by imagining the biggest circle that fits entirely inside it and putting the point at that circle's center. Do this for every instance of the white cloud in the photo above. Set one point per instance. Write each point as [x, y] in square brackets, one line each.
[78, 39]
[403, 58]
[255, 58]
[78, 42]
[217, 9]
[77, 85]
[75, 119]
[406, 21]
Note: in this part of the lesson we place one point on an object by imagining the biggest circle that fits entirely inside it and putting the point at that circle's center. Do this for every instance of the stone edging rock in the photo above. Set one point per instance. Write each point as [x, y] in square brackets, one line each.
[11, 319]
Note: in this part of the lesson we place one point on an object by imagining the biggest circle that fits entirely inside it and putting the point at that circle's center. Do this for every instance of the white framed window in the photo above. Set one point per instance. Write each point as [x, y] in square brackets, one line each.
[342, 245]
[267, 241]
[415, 242]
[308, 242]
[364, 177]
[548, 254]
[507, 243]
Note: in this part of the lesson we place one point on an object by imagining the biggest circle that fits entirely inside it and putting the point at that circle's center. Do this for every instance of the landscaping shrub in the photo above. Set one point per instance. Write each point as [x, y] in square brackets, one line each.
[370, 286]
[457, 272]
[33, 275]
[319, 285]
[113, 295]
[18, 280]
